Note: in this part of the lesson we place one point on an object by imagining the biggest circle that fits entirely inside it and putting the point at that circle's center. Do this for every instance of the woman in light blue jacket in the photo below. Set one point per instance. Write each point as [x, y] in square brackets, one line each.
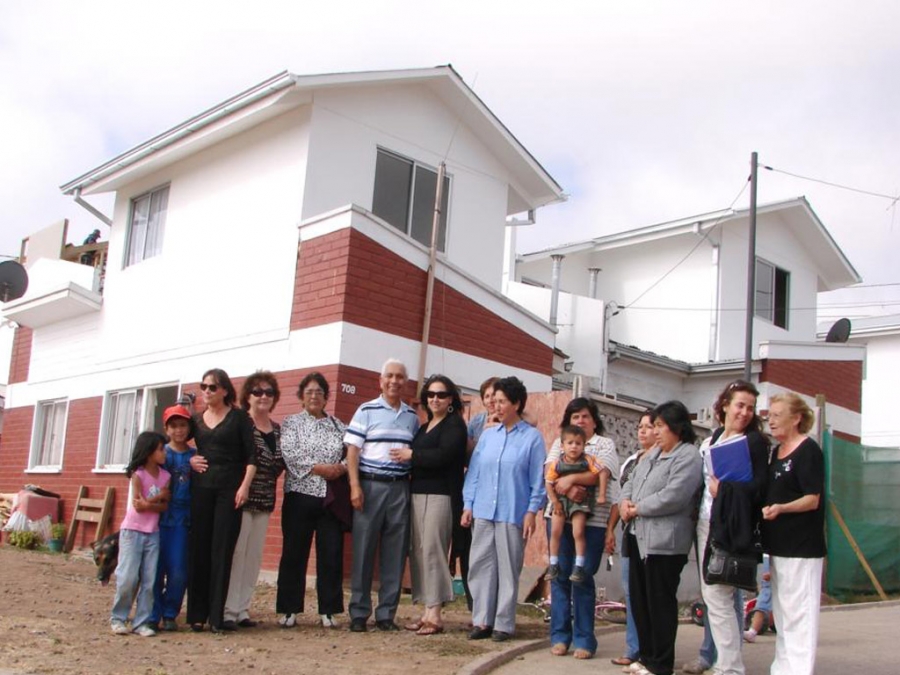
[657, 505]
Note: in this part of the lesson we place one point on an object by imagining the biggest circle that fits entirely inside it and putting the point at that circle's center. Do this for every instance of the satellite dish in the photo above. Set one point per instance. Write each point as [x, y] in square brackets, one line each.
[13, 280]
[839, 332]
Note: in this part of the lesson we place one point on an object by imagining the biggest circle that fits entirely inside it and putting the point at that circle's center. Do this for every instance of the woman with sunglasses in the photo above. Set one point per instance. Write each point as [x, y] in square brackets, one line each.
[437, 455]
[312, 444]
[224, 467]
[259, 396]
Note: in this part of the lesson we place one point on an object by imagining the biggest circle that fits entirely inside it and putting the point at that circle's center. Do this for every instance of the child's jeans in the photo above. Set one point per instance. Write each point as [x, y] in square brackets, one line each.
[172, 573]
[135, 574]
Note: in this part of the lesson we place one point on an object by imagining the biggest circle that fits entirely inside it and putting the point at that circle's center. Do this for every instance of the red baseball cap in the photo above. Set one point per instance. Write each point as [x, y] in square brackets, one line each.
[175, 411]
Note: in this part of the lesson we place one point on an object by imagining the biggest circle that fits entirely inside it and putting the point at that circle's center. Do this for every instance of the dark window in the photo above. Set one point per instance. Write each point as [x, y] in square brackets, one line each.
[772, 292]
[404, 197]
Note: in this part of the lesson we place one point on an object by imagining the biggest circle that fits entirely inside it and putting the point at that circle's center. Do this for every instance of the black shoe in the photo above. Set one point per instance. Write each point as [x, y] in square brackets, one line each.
[578, 575]
[500, 636]
[197, 627]
[481, 633]
[552, 572]
[386, 625]
[228, 626]
[248, 623]
[358, 626]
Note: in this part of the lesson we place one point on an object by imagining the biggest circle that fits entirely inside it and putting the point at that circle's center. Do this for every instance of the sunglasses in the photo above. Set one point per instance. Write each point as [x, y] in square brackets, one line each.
[259, 393]
[437, 394]
[211, 388]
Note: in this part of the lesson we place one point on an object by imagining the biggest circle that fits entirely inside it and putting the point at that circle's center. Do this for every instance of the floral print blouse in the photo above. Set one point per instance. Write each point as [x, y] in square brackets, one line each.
[306, 441]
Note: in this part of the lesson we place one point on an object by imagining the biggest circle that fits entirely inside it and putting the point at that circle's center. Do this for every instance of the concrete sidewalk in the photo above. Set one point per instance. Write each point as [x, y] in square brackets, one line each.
[852, 638]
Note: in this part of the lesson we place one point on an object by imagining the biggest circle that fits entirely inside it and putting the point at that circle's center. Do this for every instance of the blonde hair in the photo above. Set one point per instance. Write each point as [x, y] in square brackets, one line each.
[796, 406]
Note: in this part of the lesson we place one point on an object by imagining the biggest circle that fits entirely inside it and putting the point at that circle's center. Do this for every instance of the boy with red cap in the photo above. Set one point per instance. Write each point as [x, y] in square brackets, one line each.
[174, 523]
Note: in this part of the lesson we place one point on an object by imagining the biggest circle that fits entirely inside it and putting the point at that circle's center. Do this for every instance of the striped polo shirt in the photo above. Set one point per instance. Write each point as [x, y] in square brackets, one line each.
[375, 429]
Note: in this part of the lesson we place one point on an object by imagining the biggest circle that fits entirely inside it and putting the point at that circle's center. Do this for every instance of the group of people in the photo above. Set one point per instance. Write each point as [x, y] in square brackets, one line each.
[778, 509]
[440, 491]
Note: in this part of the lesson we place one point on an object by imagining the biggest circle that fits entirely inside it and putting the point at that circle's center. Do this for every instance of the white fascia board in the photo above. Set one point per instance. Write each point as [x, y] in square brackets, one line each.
[811, 351]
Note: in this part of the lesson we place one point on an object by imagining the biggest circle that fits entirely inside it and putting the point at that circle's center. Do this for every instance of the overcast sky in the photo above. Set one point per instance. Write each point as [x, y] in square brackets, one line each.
[642, 111]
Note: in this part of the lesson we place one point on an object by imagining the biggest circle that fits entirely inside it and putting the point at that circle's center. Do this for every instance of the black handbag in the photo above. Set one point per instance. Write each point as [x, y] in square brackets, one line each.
[729, 569]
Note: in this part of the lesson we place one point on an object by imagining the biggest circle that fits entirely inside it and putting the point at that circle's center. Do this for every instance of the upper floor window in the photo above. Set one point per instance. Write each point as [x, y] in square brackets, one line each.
[772, 292]
[404, 197]
[49, 435]
[147, 225]
[126, 413]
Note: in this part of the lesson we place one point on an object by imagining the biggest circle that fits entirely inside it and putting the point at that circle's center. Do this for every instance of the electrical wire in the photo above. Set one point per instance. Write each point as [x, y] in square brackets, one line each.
[696, 246]
[893, 198]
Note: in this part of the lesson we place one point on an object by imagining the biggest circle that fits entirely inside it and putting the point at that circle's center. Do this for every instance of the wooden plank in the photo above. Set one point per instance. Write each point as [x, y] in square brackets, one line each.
[93, 503]
[857, 550]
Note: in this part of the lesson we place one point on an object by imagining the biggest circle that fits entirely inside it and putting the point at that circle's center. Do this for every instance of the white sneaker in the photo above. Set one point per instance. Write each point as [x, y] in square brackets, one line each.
[144, 631]
[695, 667]
[288, 621]
[328, 621]
[750, 636]
[118, 627]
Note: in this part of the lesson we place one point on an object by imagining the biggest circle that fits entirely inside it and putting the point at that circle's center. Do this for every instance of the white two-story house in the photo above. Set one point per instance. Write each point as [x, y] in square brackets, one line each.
[286, 228]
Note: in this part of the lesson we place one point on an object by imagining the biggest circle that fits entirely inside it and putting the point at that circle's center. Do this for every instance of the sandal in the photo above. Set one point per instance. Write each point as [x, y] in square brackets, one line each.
[429, 628]
[621, 661]
[559, 649]
[415, 626]
[583, 654]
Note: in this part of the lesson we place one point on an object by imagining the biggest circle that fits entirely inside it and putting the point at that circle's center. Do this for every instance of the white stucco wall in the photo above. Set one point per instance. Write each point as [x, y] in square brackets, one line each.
[348, 126]
[880, 424]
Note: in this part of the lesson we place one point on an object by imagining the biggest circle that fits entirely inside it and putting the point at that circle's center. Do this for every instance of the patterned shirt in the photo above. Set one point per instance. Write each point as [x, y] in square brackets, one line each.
[269, 466]
[375, 429]
[306, 441]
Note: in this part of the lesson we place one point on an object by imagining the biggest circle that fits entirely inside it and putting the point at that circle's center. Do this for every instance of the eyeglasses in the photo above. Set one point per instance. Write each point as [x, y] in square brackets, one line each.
[259, 393]
[211, 388]
[439, 394]
[313, 392]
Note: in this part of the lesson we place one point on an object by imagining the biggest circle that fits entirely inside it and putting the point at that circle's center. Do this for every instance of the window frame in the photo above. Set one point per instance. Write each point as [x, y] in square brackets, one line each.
[36, 451]
[143, 407]
[779, 291]
[411, 192]
[133, 259]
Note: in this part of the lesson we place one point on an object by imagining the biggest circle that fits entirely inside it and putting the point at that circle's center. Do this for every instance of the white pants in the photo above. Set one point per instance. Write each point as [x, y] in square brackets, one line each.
[245, 565]
[727, 633]
[796, 597]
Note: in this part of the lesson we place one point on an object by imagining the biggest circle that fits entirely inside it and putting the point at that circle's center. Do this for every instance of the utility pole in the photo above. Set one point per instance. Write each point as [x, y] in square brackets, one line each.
[432, 261]
[751, 271]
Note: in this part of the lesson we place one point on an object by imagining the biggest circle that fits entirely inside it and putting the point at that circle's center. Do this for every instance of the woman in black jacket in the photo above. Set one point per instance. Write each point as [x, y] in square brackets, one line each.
[438, 455]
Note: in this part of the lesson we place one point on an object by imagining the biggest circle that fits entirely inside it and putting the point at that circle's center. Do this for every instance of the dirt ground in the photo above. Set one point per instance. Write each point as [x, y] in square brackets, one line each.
[54, 618]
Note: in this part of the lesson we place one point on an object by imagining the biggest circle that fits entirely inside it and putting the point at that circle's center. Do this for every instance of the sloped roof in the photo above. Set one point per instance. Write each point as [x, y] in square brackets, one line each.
[835, 269]
[533, 184]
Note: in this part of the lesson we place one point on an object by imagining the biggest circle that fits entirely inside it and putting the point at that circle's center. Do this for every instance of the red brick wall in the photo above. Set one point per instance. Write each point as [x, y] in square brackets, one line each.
[346, 276]
[839, 381]
[21, 355]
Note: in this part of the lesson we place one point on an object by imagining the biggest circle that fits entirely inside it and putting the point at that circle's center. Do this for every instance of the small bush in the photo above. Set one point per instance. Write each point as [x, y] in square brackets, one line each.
[58, 531]
[26, 540]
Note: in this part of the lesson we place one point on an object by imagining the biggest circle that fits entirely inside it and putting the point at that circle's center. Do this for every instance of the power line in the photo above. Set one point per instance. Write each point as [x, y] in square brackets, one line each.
[893, 198]
[696, 246]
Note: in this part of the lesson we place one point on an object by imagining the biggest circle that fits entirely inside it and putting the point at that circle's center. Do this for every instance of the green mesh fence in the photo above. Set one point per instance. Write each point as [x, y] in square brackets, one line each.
[864, 484]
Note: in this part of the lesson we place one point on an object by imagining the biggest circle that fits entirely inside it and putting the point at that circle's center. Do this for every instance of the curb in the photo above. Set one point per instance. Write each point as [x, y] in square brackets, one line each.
[489, 662]
[860, 605]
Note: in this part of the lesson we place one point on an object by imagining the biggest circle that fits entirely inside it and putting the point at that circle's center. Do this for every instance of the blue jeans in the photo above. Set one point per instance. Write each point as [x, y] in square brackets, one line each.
[708, 652]
[632, 648]
[172, 574]
[138, 555]
[568, 600]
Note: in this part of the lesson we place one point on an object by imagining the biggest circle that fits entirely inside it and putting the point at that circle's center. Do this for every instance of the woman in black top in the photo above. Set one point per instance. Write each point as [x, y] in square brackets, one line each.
[438, 455]
[224, 467]
[794, 533]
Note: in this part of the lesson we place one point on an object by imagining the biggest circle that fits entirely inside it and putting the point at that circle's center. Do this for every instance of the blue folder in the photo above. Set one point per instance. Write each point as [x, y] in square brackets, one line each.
[731, 460]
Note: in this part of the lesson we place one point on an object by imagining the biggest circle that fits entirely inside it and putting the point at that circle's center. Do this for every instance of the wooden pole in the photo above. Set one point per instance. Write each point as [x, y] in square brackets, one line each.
[432, 259]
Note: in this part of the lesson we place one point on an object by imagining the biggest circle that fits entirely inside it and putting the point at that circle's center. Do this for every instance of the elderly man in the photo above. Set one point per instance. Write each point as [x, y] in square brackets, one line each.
[379, 491]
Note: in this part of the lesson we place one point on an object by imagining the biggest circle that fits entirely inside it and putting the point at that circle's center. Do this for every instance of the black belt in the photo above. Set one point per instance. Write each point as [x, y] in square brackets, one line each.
[381, 478]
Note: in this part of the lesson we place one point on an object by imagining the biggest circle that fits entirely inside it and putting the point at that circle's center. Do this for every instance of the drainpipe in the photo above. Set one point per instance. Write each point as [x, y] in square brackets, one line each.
[592, 286]
[93, 211]
[714, 319]
[554, 287]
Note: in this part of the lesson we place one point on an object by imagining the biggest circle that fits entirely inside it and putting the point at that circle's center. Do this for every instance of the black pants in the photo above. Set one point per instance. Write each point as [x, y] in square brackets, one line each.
[301, 517]
[653, 585]
[215, 527]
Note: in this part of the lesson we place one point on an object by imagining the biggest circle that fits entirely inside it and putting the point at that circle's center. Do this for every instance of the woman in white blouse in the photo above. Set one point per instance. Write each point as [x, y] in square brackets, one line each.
[312, 447]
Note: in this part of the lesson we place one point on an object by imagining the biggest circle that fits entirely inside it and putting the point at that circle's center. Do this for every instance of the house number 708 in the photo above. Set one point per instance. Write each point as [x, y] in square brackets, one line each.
[348, 388]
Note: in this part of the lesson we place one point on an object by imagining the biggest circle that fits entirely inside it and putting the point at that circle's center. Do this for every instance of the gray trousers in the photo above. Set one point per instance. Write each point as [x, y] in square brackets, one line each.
[495, 562]
[383, 525]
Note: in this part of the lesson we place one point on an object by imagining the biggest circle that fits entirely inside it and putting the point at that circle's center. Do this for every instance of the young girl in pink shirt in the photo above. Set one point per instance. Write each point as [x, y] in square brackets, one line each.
[139, 534]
